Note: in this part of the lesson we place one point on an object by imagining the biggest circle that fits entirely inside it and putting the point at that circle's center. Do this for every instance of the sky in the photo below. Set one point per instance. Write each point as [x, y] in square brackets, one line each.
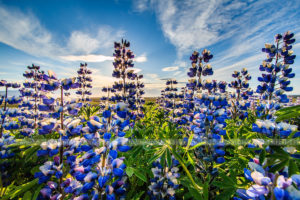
[59, 35]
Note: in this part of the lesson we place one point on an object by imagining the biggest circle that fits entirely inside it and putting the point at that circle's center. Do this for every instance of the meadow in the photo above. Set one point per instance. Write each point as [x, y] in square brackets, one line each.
[208, 140]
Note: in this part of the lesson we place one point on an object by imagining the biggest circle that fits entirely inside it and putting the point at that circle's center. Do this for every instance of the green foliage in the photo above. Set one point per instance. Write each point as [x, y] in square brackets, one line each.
[88, 111]
[290, 114]
[153, 137]
[19, 190]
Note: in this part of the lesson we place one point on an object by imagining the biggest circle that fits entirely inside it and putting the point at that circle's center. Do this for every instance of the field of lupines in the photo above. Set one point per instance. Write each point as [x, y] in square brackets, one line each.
[208, 140]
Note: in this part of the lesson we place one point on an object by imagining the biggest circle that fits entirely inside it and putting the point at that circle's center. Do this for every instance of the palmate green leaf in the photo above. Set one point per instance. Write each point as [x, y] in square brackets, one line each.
[195, 193]
[18, 143]
[20, 190]
[189, 142]
[227, 180]
[205, 191]
[140, 174]
[37, 192]
[157, 155]
[288, 113]
[190, 159]
[181, 161]
[197, 145]
[163, 160]
[28, 153]
[262, 156]
[221, 185]
[288, 109]
[270, 161]
[35, 169]
[279, 151]
[138, 195]
[136, 151]
[168, 158]
[293, 168]
[287, 116]
[279, 166]
[27, 196]
[279, 156]
[129, 171]
[187, 195]
[226, 194]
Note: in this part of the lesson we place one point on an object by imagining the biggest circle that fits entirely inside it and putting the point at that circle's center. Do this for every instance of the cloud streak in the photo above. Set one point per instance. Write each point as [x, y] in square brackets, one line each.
[170, 69]
[88, 58]
[234, 31]
[86, 43]
[98, 58]
[23, 31]
[197, 24]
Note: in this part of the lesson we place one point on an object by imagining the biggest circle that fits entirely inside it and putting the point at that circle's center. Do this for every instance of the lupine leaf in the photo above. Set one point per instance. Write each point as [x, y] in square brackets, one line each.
[20, 190]
[157, 155]
[293, 168]
[27, 195]
[168, 158]
[279, 166]
[129, 171]
[37, 192]
[140, 175]
[262, 156]
[197, 145]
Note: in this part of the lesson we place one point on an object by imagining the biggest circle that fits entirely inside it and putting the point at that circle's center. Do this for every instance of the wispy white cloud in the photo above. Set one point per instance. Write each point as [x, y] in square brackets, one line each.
[88, 58]
[170, 69]
[82, 43]
[296, 46]
[198, 24]
[246, 62]
[141, 5]
[152, 76]
[86, 43]
[234, 31]
[136, 70]
[23, 31]
[177, 73]
[251, 63]
[98, 58]
[189, 23]
[141, 59]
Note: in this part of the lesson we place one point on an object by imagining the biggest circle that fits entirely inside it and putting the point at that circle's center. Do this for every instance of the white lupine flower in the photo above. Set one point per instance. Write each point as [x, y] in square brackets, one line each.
[290, 150]
[44, 145]
[258, 142]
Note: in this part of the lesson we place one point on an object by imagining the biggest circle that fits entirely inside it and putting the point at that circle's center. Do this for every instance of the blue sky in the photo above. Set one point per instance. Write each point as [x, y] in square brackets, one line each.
[58, 35]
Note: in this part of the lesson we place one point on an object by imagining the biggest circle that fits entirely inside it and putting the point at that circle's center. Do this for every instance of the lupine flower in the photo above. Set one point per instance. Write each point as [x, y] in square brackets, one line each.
[277, 71]
[84, 82]
[47, 126]
[239, 100]
[206, 113]
[266, 183]
[6, 153]
[4, 142]
[125, 90]
[271, 128]
[69, 83]
[11, 100]
[34, 91]
[165, 183]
